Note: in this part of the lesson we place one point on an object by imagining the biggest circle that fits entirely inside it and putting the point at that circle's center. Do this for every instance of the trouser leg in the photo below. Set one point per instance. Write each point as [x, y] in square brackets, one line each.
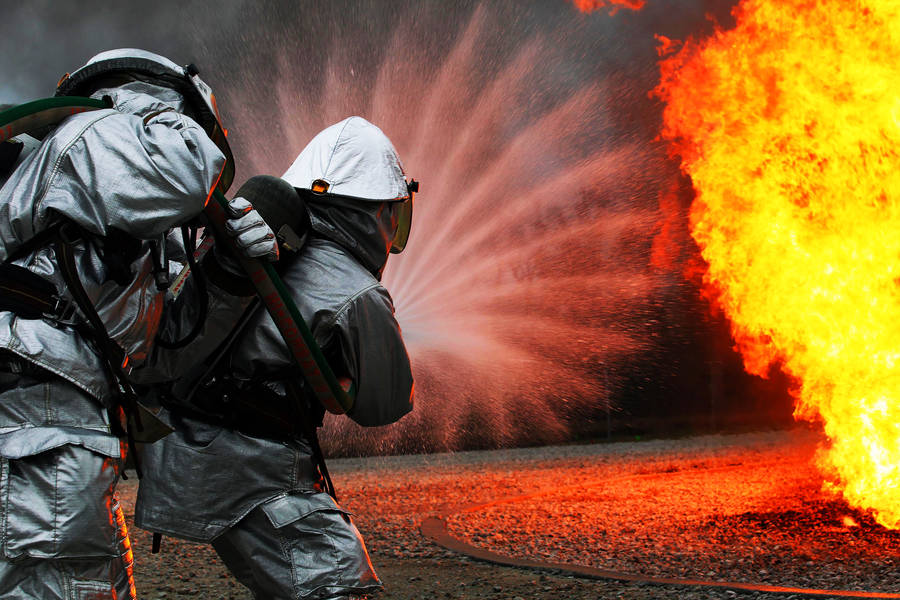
[63, 532]
[301, 546]
[237, 559]
[64, 579]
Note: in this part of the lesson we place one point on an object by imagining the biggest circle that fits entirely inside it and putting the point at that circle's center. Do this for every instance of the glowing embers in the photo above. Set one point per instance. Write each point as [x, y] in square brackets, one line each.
[788, 127]
[848, 521]
[591, 5]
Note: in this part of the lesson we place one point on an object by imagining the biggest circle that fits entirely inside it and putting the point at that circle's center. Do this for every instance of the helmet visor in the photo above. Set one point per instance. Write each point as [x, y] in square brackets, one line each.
[214, 128]
[403, 212]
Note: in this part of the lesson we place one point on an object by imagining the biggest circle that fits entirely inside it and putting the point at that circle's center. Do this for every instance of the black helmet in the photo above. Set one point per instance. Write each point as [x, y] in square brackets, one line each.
[280, 206]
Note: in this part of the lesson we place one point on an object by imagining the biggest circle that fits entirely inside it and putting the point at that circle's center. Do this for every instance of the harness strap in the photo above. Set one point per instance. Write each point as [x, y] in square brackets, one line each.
[126, 398]
[38, 240]
[312, 436]
[214, 364]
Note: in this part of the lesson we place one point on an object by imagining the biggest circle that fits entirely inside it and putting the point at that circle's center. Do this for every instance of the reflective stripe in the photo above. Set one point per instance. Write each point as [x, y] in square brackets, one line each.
[45, 112]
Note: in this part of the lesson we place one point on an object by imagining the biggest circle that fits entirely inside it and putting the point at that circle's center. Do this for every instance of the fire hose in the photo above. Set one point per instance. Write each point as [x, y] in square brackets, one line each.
[337, 397]
[45, 112]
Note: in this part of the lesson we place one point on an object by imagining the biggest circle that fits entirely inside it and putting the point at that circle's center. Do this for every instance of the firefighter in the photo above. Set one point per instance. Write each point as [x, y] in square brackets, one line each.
[243, 470]
[83, 223]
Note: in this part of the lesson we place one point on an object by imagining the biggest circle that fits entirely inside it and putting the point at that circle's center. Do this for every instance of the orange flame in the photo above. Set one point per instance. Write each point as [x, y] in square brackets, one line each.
[789, 126]
[592, 5]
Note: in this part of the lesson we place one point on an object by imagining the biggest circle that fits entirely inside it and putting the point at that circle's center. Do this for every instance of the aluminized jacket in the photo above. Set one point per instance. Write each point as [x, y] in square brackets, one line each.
[200, 482]
[256, 499]
[139, 168]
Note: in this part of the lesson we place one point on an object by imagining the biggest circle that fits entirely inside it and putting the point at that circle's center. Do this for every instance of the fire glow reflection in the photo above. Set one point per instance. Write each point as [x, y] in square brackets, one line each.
[591, 5]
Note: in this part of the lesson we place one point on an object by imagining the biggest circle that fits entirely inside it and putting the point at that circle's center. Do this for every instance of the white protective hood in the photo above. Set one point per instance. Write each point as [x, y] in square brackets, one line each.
[356, 158]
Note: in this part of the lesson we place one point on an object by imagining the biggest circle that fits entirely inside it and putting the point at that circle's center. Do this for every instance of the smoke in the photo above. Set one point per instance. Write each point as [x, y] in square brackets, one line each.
[45, 39]
[532, 284]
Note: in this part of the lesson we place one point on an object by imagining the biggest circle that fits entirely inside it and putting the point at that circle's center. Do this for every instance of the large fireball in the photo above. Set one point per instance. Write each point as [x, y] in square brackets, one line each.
[789, 127]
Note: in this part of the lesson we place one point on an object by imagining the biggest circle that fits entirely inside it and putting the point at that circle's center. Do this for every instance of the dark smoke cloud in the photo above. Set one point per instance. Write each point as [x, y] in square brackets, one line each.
[44, 38]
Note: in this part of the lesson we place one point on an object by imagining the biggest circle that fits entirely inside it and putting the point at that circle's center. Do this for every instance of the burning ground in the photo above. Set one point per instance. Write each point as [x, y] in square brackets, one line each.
[742, 508]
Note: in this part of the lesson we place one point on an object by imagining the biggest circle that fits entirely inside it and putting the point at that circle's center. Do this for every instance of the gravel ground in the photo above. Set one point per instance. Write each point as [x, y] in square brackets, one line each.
[738, 508]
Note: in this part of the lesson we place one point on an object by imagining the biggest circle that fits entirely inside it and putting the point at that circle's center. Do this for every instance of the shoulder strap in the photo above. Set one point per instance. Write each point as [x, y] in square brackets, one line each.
[40, 239]
[185, 388]
[26, 293]
[216, 364]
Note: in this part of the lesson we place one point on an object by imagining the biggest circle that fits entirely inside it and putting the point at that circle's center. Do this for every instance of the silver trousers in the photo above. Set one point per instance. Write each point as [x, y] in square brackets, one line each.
[298, 547]
[64, 535]
[62, 531]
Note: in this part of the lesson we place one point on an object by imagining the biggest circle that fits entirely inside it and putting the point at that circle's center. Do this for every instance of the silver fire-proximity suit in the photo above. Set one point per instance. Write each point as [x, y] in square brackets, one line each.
[258, 500]
[140, 168]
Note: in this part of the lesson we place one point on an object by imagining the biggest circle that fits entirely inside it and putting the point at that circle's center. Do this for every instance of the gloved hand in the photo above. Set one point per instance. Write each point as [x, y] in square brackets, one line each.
[252, 236]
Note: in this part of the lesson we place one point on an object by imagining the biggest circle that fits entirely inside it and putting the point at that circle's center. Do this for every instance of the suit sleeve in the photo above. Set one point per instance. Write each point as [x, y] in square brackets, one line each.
[375, 357]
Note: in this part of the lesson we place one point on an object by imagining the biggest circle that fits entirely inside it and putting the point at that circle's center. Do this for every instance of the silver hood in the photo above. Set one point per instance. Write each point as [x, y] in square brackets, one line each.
[356, 158]
[364, 175]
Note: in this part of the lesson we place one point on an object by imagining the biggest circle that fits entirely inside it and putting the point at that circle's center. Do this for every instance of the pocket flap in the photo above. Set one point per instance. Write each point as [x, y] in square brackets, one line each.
[288, 509]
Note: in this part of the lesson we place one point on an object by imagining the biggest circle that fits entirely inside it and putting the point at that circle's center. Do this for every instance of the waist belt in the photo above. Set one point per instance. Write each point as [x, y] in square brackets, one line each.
[257, 412]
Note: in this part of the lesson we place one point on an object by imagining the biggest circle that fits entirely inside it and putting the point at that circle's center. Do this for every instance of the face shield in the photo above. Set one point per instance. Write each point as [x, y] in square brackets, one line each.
[403, 213]
[214, 128]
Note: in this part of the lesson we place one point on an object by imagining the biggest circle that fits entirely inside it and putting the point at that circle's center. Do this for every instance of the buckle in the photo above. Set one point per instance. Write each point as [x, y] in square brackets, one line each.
[63, 309]
[12, 363]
